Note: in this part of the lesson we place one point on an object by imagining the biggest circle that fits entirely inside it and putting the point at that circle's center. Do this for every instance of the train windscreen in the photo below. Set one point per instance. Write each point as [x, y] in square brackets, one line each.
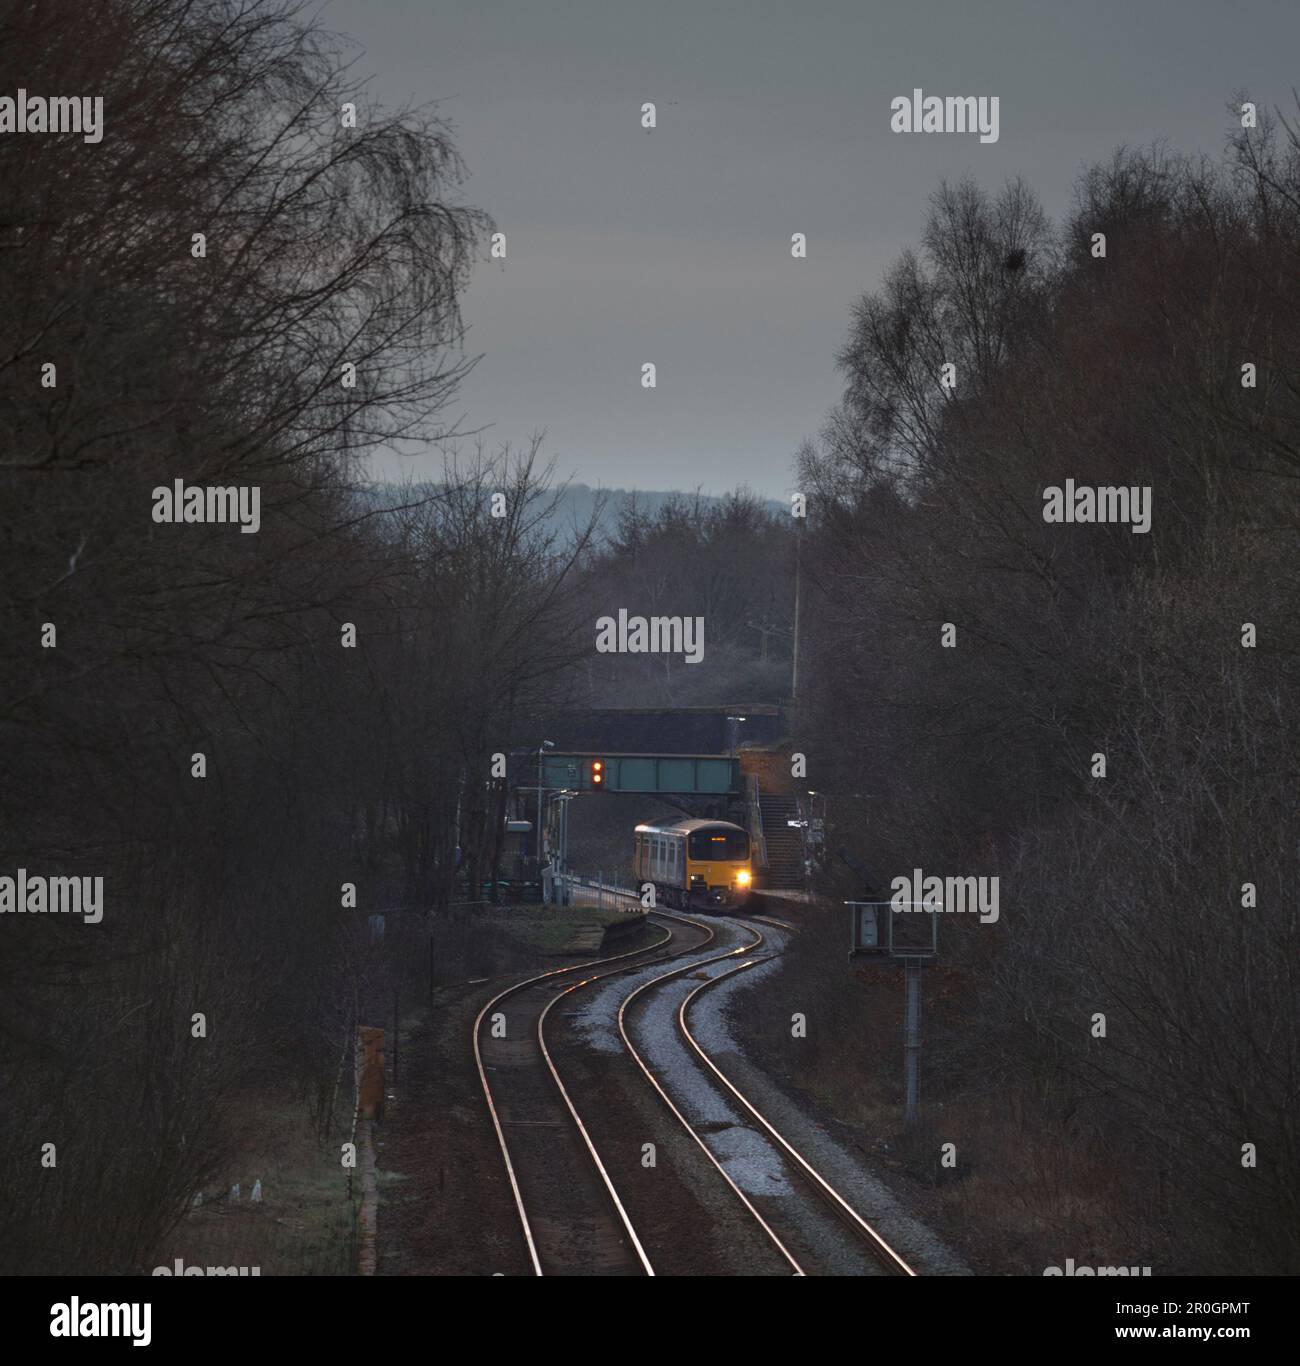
[719, 844]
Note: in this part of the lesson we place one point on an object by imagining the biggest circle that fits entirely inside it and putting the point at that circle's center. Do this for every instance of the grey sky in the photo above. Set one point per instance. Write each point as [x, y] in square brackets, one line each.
[673, 246]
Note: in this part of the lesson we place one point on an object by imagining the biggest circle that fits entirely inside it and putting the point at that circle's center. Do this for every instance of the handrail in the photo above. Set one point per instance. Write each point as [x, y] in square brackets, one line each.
[754, 817]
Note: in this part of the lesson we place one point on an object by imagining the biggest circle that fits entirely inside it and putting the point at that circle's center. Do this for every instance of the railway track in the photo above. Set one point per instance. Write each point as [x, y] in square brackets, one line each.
[572, 1218]
[889, 1259]
[571, 1214]
[827, 1236]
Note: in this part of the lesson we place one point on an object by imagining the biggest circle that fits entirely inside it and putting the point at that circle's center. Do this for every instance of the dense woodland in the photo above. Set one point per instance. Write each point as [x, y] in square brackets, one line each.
[1162, 895]
[327, 762]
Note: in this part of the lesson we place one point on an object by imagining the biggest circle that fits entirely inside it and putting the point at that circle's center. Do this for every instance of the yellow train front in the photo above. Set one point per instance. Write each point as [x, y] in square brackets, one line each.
[695, 864]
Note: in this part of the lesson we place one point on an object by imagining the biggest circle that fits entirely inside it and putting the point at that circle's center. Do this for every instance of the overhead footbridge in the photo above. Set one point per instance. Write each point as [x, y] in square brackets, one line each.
[667, 775]
[669, 731]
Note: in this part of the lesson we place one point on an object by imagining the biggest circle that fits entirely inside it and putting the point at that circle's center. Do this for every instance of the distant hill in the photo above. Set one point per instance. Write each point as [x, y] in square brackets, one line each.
[578, 502]
[575, 505]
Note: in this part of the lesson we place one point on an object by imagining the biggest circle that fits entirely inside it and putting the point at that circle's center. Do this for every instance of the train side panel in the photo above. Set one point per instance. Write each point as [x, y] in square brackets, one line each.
[662, 857]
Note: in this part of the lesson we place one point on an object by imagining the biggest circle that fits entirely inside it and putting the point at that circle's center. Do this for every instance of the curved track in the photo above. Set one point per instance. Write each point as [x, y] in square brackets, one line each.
[571, 1216]
[888, 1258]
[807, 1240]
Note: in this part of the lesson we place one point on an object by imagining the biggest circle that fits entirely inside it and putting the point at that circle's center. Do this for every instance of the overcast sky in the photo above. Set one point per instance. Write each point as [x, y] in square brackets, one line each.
[673, 246]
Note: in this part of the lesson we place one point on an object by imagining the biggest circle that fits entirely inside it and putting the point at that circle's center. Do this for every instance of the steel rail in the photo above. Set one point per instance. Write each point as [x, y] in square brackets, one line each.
[667, 1099]
[886, 1254]
[592, 1152]
[529, 1241]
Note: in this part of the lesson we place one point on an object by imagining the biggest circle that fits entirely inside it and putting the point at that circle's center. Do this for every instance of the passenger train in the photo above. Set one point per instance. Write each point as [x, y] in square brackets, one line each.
[695, 864]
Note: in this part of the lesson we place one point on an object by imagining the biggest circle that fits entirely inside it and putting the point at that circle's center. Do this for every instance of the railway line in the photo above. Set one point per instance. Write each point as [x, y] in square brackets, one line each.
[867, 1236]
[573, 1218]
[823, 1234]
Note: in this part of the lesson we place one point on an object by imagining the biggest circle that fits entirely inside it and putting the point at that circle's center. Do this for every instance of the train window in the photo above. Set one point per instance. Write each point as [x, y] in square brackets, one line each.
[715, 843]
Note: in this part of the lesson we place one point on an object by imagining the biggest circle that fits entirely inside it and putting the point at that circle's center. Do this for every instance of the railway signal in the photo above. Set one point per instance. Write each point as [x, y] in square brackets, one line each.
[874, 940]
[597, 772]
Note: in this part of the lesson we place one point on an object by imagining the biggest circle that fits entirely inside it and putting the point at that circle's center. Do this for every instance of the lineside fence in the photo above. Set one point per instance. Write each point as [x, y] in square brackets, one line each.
[604, 891]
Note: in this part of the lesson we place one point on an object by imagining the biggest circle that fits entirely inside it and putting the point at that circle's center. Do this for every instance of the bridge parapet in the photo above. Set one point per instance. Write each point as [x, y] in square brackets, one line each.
[647, 774]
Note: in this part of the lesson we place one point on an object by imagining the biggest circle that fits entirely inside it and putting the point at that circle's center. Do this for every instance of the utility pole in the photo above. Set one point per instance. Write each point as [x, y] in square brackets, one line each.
[798, 556]
[541, 777]
[911, 1037]
[873, 941]
[560, 863]
[733, 728]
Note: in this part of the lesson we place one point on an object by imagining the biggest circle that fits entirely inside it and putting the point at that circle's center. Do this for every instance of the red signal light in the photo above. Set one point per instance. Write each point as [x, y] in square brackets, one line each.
[597, 772]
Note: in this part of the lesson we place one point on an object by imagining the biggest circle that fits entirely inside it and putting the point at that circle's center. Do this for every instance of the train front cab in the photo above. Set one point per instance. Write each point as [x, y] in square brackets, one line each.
[695, 865]
[719, 875]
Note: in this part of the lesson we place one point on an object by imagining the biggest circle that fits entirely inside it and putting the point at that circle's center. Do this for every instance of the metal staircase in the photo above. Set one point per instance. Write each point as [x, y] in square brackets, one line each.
[784, 841]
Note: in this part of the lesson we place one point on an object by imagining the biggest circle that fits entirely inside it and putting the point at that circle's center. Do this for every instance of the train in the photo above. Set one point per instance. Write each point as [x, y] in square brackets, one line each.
[695, 864]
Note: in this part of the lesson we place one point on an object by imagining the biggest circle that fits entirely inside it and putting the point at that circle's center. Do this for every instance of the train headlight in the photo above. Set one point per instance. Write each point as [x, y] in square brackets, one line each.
[742, 878]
